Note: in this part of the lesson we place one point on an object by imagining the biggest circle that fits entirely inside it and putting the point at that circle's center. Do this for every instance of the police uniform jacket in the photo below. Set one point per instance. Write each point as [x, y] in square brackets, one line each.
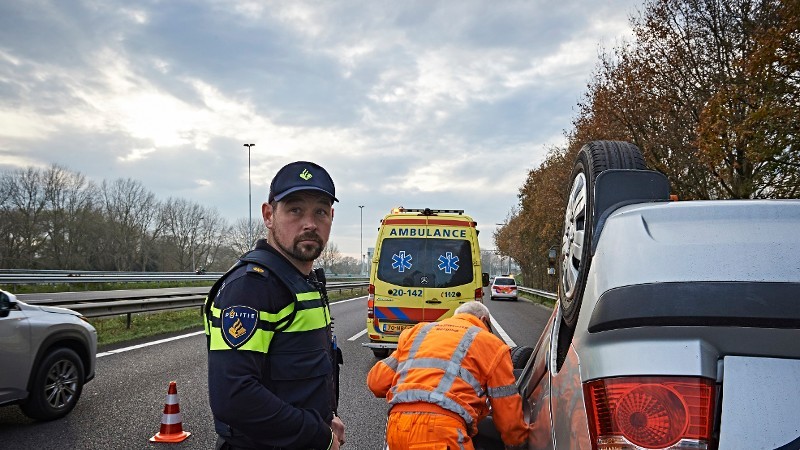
[270, 388]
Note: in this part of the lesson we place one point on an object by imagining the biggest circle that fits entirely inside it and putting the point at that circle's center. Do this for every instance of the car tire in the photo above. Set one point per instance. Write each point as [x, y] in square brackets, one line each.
[575, 259]
[55, 386]
[520, 356]
[380, 353]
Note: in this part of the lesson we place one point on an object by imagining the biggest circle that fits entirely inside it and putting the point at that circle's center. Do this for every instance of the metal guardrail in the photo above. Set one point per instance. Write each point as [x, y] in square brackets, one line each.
[99, 277]
[539, 292]
[127, 302]
[72, 277]
[12, 277]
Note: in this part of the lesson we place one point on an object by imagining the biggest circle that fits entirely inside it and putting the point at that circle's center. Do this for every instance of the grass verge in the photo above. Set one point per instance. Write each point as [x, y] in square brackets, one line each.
[550, 303]
[113, 330]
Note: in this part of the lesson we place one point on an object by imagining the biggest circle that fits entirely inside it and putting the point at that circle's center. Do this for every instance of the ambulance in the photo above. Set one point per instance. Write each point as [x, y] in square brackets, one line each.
[427, 262]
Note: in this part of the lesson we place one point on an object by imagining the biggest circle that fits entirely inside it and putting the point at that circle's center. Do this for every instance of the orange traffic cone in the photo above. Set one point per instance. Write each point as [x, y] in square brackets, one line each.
[171, 421]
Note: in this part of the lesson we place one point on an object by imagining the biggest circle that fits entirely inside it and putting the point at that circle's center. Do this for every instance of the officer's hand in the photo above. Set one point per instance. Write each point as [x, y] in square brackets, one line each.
[338, 429]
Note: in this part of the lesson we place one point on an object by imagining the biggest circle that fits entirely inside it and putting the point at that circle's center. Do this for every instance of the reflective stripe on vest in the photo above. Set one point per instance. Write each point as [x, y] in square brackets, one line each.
[503, 391]
[452, 370]
[311, 314]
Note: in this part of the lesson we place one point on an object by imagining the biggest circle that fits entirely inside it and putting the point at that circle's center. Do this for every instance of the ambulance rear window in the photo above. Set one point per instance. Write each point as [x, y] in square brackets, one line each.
[440, 263]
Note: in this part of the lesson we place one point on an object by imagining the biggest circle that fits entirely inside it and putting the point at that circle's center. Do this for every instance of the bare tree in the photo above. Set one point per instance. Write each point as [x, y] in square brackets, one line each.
[130, 210]
[238, 237]
[346, 265]
[329, 257]
[24, 206]
[72, 214]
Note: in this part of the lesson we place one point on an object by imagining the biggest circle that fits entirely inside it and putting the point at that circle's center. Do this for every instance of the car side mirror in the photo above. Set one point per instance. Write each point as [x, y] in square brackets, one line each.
[551, 260]
[485, 278]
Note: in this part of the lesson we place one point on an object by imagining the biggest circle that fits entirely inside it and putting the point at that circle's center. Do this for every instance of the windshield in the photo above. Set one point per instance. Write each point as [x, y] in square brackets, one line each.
[504, 282]
[439, 263]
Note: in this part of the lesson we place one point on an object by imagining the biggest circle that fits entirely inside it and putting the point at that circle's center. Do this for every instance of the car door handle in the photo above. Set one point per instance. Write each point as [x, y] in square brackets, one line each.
[434, 301]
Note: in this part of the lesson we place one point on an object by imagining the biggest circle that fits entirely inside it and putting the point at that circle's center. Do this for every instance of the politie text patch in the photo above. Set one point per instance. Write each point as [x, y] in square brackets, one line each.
[239, 323]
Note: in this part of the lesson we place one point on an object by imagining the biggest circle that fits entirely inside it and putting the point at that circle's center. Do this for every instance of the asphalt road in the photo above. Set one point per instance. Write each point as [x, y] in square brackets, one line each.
[122, 407]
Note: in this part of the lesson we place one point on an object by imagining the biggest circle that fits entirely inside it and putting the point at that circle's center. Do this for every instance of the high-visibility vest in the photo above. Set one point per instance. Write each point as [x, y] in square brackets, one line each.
[455, 365]
[245, 328]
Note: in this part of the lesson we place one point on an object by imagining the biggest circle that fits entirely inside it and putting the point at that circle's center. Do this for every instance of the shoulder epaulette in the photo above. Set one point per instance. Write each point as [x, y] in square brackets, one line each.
[256, 268]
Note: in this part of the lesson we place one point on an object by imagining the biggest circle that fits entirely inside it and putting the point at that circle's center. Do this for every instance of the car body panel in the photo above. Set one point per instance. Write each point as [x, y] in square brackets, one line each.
[34, 331]
[752, 402]
[15, 336]
[699, 243]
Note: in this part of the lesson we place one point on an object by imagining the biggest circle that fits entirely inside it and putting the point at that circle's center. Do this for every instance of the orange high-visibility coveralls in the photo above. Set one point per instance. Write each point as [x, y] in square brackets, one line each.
[437, 383]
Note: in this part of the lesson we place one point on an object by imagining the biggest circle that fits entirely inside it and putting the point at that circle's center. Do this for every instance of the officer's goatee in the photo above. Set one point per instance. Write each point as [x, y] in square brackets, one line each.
[305, 252]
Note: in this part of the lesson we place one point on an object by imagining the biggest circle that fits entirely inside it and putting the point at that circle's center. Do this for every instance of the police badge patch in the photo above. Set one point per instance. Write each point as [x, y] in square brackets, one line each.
[238, 324]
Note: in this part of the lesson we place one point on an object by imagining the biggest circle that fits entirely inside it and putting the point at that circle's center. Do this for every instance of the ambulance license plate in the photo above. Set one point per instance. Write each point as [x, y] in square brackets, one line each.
[395, 327]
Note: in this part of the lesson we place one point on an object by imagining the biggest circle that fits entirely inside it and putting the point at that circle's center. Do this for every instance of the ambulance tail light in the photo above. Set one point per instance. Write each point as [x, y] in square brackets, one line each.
[371, 302]
[634, 413]
[479, 294]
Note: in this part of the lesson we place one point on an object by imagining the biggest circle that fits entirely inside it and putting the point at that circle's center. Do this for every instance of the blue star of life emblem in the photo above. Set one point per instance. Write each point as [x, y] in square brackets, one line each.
[448, 262]
[239, 323]
[401, 261]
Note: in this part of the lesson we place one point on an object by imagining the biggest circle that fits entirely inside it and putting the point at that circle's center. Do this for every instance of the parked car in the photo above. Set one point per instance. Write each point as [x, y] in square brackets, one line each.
[47, 355]
[677, 322]
[503, 287]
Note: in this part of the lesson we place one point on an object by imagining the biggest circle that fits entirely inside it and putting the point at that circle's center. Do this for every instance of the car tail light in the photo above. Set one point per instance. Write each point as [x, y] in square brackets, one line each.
[371, 302]
[479, 294]
[650, 412]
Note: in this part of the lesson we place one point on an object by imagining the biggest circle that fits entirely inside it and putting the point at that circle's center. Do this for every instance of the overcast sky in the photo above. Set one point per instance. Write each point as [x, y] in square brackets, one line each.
[440, 104]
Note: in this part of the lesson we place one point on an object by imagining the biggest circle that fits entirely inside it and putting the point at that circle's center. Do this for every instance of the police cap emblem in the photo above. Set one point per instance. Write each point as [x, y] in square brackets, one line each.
[239, 323]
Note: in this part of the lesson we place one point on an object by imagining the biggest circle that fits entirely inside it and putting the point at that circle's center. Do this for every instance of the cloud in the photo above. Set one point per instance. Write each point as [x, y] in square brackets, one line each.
[442, 104]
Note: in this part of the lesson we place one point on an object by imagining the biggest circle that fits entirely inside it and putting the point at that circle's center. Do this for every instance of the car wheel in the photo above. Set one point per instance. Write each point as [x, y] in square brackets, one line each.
[520, 356]
[575, 258]
[380, 353]
[56, 385]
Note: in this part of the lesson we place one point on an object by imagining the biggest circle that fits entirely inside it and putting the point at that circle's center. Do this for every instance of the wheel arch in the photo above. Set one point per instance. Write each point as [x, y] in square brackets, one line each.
[71, 339]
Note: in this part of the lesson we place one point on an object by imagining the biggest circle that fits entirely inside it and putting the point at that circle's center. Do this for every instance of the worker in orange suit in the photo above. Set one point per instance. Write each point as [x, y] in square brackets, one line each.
[438, 380]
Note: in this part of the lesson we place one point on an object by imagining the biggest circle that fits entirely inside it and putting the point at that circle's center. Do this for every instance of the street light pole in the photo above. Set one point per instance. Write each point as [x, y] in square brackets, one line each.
[194, 265]
[249, 200]
[361, 239]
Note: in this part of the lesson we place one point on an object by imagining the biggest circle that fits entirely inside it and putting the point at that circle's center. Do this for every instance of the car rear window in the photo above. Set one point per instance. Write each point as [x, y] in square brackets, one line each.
[504, 282]
[440, 263]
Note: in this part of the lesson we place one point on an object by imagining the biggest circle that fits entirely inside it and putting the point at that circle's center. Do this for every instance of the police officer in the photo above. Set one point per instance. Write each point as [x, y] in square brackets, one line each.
[270, 358]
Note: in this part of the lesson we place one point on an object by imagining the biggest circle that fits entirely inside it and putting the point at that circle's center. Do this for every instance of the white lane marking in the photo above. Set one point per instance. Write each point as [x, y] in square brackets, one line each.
[362, 332]
[496, 326]
[358, 335]
[147, 344]
[348, 300]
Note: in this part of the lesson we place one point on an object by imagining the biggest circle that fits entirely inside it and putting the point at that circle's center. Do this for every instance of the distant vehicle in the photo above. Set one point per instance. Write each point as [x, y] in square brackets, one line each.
[47, 355]
[427, 262]
[677, 323]
[503, 287]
